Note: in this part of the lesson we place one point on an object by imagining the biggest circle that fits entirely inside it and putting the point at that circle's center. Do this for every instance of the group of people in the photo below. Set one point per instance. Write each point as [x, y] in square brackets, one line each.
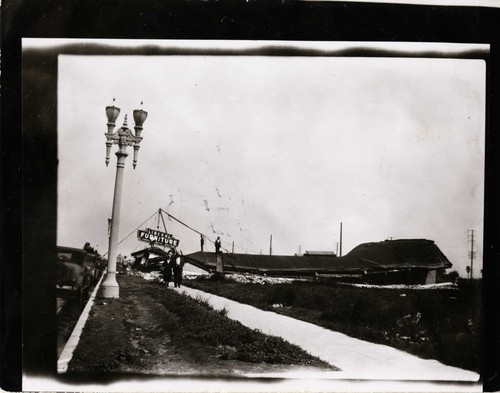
[217, 244]
[172, 267]
[174, 263]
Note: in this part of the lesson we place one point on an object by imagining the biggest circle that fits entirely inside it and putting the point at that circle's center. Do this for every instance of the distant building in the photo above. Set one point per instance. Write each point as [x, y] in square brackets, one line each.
[319, 253]
[402, 261]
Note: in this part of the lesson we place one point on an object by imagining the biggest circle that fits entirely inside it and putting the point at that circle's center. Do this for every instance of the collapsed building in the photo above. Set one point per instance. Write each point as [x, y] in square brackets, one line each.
[402, 261]
[149, 258]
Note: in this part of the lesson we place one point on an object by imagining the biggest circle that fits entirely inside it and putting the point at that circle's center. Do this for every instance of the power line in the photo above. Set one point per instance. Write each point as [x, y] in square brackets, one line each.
[201, 233]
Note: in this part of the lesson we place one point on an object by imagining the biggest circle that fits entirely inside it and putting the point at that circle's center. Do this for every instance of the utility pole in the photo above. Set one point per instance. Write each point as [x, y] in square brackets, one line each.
[472, 253]
[232, 249]
[340, 239]
[300, 249]
[271, 245]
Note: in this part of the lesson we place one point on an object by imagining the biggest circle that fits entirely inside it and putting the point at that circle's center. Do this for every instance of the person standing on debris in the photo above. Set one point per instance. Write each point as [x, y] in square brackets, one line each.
[167, 268]
[178, 266]
[217, 245]
[202, 242]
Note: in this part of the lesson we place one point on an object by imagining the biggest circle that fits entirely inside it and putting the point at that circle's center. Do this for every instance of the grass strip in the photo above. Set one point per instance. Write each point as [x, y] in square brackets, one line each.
[199, 321]
[153, 328]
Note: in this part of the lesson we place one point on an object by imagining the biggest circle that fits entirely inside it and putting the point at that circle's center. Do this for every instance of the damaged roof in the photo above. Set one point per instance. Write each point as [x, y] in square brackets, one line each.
[149, 250]
[365, 258]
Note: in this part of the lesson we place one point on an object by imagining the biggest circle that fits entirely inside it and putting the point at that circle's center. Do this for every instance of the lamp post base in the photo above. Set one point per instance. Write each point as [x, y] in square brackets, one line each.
[110, 288]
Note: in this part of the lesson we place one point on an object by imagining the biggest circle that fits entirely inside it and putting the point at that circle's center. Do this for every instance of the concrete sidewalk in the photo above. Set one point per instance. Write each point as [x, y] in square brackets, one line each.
[356, 358]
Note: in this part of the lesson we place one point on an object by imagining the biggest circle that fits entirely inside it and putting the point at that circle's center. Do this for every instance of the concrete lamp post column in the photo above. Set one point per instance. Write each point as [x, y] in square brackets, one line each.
[123, 138]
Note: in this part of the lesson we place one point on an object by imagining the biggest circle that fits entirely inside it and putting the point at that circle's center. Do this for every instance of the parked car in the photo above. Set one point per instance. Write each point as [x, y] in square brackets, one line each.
[76, 268]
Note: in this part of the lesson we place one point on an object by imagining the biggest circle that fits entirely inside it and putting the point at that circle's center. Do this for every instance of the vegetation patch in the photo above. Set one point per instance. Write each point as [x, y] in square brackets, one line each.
[441, 324]
[200, 322]
[156, 330]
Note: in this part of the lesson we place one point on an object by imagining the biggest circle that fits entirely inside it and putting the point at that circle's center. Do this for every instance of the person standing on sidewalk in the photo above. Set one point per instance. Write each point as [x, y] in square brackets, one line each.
[167, 268]
[178, 267]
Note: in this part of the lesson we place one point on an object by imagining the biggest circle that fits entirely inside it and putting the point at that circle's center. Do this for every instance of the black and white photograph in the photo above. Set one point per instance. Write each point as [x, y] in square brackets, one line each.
[268, 211]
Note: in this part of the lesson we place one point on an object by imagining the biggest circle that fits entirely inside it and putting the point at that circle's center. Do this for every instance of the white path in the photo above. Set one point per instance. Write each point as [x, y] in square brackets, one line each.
[357, 359]
[69, 348]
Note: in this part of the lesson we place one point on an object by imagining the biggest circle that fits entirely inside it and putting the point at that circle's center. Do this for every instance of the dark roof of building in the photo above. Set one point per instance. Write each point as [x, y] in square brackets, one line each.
[418, 253]
[367, 257]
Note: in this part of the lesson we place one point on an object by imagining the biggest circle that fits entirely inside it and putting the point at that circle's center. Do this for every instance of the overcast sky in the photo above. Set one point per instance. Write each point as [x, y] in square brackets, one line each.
[245, 147]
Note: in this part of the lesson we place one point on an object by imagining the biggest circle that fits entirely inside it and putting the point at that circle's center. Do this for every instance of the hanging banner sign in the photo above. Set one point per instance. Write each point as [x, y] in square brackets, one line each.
[152, 236]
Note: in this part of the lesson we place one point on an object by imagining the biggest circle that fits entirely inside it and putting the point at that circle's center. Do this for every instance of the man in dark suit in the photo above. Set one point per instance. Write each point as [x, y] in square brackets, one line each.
[217, 245]
[167, 268]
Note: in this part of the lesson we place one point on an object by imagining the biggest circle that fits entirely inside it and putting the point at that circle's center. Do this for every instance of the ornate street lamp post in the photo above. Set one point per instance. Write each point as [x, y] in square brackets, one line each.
[123, 138]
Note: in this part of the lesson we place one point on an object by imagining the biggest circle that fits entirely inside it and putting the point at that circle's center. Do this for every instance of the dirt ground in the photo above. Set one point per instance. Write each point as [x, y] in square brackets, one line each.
[137, 334]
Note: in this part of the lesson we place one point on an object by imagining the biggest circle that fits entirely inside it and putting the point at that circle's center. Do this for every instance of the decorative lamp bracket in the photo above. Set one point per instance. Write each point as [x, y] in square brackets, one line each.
[124, 136]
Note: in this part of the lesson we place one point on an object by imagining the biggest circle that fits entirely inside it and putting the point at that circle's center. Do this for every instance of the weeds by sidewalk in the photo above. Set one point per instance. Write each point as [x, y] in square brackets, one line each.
[437, 324]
